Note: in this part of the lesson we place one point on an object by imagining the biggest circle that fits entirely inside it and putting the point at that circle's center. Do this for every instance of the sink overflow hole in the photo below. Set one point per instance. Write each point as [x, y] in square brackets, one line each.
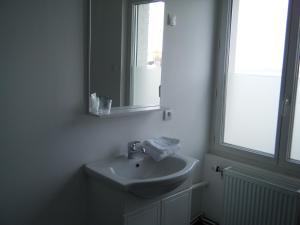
[137, 165]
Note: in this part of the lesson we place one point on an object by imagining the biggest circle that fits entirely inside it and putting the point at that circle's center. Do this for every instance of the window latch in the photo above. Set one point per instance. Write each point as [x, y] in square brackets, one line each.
[286, 104]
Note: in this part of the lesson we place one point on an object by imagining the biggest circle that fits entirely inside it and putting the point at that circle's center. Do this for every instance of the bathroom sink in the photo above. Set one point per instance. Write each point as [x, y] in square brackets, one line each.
[143, 177]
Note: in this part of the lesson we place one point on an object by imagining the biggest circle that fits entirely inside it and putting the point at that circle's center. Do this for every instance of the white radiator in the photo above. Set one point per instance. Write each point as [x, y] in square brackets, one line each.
[259, 200]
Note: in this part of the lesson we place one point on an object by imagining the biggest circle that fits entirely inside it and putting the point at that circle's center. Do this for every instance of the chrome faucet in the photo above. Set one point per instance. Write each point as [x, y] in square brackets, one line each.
[135, 147]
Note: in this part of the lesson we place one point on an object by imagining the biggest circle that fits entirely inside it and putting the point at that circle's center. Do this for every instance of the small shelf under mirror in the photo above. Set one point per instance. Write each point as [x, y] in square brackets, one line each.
[128, 111]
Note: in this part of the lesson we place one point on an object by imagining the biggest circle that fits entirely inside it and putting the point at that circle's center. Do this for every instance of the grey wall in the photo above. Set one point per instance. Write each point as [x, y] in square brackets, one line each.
[46, 135]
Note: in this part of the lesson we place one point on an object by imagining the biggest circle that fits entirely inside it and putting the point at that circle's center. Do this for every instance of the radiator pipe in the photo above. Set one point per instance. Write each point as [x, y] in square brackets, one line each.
[201, 184]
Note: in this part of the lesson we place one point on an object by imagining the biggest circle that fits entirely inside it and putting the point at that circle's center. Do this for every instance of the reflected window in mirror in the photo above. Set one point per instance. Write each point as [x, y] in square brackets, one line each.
[147, 25]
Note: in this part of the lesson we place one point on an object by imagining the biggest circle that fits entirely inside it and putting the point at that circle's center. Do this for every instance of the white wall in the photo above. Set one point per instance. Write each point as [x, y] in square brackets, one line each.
[212, 197]
[46, 135]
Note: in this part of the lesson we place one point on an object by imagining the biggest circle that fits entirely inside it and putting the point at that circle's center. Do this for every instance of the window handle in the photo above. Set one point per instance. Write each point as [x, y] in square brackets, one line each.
[286, 104]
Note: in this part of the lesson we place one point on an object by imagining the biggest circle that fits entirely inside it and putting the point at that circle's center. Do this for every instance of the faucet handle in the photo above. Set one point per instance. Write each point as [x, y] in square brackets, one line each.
[132, 144]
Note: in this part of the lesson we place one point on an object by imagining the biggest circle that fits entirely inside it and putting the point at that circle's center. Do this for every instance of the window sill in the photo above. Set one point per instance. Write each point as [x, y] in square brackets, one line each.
[251, 158]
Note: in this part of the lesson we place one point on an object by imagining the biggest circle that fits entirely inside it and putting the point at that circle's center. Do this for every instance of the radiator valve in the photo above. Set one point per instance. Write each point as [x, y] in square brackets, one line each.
[218, 169]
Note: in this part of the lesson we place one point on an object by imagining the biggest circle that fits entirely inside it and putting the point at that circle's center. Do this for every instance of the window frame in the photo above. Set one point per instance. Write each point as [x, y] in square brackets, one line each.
[280, 160]
[291, 86]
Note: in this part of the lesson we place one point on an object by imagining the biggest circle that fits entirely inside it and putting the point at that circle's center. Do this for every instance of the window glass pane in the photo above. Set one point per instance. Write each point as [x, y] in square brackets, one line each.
[295, 153]
[254, 73]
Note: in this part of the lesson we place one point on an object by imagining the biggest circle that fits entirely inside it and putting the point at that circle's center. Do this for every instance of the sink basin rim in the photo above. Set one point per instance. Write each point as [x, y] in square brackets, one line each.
[103, 170]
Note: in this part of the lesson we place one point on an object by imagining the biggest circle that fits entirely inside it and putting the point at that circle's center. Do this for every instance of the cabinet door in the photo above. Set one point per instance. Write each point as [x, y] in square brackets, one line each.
[176, 209]
[146, 216]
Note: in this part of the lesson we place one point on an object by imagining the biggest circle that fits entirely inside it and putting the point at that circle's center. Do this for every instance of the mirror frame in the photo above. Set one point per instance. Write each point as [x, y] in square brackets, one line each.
[127, 53]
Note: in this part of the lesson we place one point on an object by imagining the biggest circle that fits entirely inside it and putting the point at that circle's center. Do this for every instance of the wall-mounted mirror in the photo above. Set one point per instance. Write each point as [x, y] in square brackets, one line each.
[126, 45]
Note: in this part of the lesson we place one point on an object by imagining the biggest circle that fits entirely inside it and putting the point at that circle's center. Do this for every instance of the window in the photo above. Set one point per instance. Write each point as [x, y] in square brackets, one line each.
[258, 106]
[254, 73]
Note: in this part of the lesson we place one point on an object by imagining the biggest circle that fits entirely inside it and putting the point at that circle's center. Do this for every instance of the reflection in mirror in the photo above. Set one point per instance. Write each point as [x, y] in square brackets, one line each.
[126, 43]
[147, 53]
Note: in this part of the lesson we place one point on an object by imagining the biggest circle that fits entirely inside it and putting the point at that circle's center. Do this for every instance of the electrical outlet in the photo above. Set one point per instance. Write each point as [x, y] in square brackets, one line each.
[167, 114]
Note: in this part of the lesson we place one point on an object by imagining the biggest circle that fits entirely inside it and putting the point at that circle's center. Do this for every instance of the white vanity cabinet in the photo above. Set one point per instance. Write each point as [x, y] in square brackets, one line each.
[176, 209]
[172, 210]
[110, 205]
[149, 215]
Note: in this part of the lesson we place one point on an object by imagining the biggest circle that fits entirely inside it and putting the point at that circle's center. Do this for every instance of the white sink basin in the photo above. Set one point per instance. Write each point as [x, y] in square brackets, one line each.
[143, 177]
